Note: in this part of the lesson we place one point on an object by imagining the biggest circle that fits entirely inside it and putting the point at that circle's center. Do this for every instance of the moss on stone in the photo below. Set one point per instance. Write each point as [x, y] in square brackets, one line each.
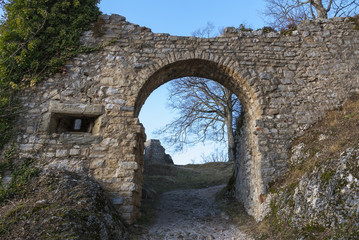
[288, 30]
[75, 209]
[355, 20]
[98, 27]
[19, 185]
[326, 176]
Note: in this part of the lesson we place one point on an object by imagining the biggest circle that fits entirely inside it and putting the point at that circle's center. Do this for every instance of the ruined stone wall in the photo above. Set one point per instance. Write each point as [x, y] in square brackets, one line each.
[285, 83]
[155, 153]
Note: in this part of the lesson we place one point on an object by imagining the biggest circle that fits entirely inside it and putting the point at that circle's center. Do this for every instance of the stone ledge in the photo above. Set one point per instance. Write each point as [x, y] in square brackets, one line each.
[76, 109]
[79, 138]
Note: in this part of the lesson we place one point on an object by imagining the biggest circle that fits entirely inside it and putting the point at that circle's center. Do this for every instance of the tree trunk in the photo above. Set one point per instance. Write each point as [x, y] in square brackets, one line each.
[231, 144]
[321, 11]
[229, 123]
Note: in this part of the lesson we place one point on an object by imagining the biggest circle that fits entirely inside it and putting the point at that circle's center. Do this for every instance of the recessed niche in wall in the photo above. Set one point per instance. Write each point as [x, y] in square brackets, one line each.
[72, 118]
[67, 123]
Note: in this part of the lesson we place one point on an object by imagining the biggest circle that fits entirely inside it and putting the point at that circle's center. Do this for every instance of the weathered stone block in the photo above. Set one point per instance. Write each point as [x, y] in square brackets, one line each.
[61, 153]
[79, 138]
[75, 152]
[128, 165]
[117, 200]
[26, 147]
[76, 109]
[98, 163]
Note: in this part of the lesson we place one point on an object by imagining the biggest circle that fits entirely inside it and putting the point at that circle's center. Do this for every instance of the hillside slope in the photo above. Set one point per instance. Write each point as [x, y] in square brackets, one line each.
[319, 197]
[159, 178]
[59, 205]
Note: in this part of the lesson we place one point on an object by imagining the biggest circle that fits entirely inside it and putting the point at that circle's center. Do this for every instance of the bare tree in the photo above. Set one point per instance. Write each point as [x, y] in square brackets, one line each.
[206, 31]
[218, 155]
[207, 111]
[2, 16]
[284, 13]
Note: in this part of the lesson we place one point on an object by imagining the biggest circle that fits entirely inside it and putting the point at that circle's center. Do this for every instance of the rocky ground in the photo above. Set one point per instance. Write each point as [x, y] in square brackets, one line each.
[190, 214]
[59, 205]
[319, 197]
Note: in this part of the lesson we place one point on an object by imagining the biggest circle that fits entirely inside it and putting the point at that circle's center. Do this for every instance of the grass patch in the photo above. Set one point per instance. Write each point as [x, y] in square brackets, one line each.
[20, 182]
[326, 176]
[340, 131]
[6, 163]
[158, 179]
[164, 178]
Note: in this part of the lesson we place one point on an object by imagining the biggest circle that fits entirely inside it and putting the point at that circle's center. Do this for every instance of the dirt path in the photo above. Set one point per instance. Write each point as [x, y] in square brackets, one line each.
[192, 214]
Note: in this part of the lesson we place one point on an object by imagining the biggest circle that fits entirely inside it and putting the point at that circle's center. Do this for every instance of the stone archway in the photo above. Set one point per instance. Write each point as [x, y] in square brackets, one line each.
[199, 68]
[249, 184]
[285, 83]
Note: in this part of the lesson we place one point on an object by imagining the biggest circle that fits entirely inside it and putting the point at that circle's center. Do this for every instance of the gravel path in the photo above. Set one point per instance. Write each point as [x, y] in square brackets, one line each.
[192, 214]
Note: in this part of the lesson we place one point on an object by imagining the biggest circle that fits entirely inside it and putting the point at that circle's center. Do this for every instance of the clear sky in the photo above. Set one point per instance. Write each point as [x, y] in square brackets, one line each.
[182, 17]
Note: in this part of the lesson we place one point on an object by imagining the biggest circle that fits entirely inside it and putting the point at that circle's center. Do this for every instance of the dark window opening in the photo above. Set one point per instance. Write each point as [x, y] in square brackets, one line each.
[62, 124]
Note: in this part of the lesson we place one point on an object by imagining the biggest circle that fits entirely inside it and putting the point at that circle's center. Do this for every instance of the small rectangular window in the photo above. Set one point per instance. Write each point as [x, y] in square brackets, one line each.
[72, 118]
[63, 123]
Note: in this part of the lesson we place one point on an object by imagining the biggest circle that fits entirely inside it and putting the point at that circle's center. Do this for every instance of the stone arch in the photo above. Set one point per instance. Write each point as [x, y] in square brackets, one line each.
[221, 73]
[248, 164]
[286, 83]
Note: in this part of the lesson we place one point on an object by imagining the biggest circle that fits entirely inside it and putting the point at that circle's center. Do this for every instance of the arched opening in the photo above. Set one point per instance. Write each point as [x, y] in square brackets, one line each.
[247, 158]
[197, 68]
[194, 119]
[200, 127]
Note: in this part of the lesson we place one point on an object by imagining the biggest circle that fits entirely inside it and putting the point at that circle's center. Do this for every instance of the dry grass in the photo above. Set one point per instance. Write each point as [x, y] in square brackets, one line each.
[324, 143]
[163, 178]
[59, 205]
[341, 131]
[158, 179]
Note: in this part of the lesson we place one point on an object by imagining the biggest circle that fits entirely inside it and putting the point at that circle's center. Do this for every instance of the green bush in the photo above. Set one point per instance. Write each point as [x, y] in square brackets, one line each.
[20, 182]
[39, 35]
[36, 39]
[6, 163]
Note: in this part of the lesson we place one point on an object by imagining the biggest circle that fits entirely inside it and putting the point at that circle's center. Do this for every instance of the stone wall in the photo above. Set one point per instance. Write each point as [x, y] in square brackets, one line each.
[285, 83]
[155, 153]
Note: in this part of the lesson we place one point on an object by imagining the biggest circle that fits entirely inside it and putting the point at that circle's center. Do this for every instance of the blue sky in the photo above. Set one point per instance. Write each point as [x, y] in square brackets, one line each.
[182, 18]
